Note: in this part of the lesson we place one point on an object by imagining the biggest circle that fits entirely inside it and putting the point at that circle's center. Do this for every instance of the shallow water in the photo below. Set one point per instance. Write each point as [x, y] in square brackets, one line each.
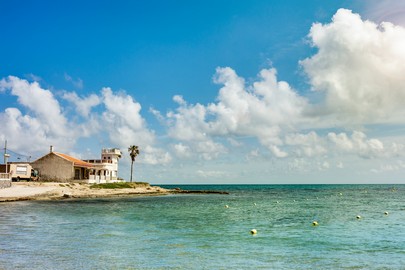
[198, 232]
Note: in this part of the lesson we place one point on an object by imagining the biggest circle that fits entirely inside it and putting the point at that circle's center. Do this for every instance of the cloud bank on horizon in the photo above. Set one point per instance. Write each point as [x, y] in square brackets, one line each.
[356, 78]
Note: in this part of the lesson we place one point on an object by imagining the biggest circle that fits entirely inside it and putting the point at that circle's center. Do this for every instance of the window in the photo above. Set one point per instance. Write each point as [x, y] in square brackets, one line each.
[21, 170]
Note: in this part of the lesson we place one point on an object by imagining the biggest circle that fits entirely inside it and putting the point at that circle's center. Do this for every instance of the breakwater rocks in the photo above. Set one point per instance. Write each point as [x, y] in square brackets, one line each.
[181, 191]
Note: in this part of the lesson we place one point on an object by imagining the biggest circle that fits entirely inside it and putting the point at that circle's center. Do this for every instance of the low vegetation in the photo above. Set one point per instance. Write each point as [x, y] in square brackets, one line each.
[120, 185]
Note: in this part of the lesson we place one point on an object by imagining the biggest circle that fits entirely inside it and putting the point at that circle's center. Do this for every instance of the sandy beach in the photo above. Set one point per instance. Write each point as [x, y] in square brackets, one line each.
[53, 191]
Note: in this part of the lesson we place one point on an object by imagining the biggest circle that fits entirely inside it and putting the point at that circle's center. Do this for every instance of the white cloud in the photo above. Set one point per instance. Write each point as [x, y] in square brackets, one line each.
[154, 156]
[157, 114]
[182, 151]
[42, 124]
[358, 144]
[277, 152]
[209, 150]
[123, 121]
[360, 68]
[261, 110]
[83, 105]
[306, 144]
[356, 73]
[40, 102]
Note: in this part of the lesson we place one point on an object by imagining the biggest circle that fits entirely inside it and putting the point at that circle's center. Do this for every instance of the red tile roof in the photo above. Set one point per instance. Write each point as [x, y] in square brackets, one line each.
[76, 162]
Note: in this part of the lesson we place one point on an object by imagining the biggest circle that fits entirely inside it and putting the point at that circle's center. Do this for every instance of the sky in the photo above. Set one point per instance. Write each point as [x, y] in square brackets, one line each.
[212, 92]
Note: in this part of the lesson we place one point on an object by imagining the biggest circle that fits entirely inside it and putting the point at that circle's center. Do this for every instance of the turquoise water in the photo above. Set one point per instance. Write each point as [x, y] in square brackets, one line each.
[199, 232]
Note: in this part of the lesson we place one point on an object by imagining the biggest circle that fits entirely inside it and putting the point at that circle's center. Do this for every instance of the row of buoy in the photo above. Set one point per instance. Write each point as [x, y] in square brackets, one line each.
[314, 223]
[358, 217]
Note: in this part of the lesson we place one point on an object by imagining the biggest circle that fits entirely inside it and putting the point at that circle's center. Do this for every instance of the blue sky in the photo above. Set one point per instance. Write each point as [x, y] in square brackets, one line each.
[211, 91]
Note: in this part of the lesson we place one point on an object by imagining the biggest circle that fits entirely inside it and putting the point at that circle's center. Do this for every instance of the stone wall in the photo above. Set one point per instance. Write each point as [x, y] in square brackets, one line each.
[5, 183]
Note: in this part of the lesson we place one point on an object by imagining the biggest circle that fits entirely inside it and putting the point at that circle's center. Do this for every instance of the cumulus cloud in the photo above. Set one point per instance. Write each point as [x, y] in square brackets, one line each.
[357, 71]
[308, 145]
[41, 124]
[359, 67]
[83, 104]
[154, 156]
[125, 125]
[123, 120]
[261, 110]
[358, 143]
[41, 102]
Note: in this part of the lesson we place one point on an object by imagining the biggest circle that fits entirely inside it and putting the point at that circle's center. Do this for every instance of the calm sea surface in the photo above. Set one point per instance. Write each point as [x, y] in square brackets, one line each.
[199, 232]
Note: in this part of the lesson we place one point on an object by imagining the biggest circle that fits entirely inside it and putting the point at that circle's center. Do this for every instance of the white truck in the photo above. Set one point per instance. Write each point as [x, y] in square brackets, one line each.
[22, 171]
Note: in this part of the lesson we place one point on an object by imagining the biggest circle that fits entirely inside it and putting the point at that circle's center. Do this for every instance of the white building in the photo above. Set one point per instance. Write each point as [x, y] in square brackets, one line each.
[105, 170]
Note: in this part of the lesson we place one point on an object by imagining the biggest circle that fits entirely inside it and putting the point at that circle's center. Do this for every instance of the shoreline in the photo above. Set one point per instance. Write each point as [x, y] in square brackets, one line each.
[43, 191]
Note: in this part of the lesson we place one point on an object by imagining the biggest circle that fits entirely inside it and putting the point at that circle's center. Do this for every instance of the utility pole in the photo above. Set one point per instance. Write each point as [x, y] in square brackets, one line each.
[5, 151]
[6, 156]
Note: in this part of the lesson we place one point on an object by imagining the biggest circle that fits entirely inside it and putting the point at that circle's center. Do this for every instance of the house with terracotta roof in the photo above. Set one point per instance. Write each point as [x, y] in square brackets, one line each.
[60, 167]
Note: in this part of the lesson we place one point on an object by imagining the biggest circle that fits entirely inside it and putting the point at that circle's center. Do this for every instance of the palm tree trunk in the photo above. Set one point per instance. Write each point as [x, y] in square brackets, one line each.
[132, 166]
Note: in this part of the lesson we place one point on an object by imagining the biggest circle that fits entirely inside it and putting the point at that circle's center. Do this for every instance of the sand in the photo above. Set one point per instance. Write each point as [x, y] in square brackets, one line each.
[53, 191]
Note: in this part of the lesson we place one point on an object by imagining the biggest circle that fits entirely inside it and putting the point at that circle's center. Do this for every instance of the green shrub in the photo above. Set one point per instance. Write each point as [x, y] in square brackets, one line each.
[119, 185]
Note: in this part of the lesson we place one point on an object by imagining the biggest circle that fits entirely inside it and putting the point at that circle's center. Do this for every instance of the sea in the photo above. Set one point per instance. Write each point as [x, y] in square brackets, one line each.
[358, 227]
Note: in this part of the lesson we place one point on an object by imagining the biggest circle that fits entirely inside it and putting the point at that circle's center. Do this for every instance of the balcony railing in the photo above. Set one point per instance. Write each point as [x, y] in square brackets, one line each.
[98, 161]
[101, 179]
[111, 151]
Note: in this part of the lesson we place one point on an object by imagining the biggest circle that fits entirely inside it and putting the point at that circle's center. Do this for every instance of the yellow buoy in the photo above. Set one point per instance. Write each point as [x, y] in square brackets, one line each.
[315, 223]
[254, 231]
[226, 206]
[358, 217]
[386, 213]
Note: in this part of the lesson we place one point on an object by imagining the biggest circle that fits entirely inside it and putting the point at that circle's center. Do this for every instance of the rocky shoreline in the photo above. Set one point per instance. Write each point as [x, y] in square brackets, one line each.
[24, 191]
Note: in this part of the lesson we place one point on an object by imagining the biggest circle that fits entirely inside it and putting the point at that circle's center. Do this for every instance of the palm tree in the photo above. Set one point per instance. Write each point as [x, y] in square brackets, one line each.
[133, 152]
